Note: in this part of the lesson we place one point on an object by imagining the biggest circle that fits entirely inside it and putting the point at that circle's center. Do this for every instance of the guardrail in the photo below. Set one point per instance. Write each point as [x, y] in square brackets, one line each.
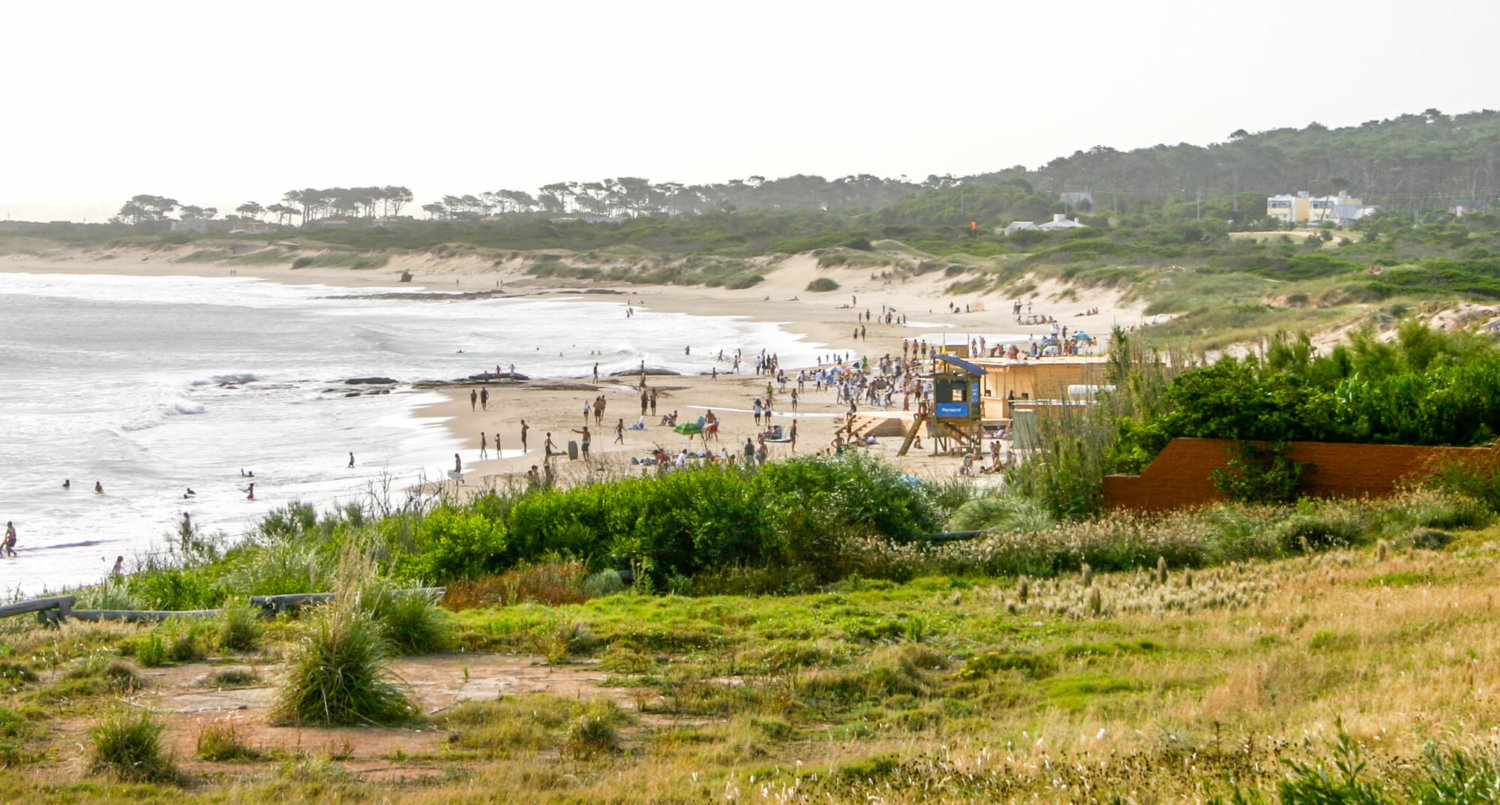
[273, 604]
[59, 607]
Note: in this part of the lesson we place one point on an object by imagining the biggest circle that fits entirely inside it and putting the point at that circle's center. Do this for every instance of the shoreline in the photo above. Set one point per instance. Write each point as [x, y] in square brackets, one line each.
[825, 320]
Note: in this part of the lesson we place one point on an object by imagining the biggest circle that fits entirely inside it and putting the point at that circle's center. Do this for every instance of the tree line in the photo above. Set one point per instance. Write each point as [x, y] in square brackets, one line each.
[1412, 162]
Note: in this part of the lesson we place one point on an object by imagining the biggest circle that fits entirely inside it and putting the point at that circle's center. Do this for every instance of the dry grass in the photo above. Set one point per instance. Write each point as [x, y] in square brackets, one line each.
[952, 689]
[552, 584]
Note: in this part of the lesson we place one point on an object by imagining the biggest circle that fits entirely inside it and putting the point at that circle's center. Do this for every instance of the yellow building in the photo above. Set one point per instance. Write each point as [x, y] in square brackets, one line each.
[1068, 377]
[1307, 209]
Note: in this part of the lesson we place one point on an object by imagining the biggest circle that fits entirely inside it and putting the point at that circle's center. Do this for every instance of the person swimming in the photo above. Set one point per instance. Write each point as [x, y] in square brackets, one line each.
[98, 487]
[189, 493]
[67, 483]
[251, 496]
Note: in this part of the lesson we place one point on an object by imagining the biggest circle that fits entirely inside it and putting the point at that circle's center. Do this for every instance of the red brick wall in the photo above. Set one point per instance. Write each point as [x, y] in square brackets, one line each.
[1179, 477]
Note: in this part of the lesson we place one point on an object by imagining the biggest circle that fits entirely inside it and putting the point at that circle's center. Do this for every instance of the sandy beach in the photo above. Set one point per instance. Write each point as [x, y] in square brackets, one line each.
[829, 319]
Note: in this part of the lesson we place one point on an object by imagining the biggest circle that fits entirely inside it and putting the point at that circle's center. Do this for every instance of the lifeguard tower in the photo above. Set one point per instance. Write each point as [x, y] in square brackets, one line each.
[954, 417]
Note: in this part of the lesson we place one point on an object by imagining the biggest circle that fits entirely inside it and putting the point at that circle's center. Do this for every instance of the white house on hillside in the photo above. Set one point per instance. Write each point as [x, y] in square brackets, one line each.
[1060, 223]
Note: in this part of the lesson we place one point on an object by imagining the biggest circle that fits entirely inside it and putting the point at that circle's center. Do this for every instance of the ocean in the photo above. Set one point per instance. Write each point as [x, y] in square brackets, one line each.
[153, 385]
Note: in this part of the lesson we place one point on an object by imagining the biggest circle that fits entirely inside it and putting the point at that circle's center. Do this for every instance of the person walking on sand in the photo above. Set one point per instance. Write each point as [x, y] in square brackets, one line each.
[458, 465]
[484, 399]
[620, 432]
[473, 399]
[10, 538]
[524, 427]
[484, 446]
[587, 409]
[596, 371]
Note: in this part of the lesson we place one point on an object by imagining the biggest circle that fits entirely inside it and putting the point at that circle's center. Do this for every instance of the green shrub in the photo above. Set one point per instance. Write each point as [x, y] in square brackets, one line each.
[822, 285]
[605, 582]
[1318, 530]
[589, 736]
[122, 677]
[1260, 474]
[128, 745]
[1478, 479]
[186, 639]
[239, 629]
[151, 650]
[410, 622]
[340, 675]
[454, 542]
[234, 678]
[13, 674]
[221, 742]
[1001, 512]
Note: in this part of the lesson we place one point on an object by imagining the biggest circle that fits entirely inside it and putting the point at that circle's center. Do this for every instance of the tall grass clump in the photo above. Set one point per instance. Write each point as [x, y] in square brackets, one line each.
[1079, 445]
[410, 622]
[340, 674]
[340, 671]
[221, 742]
[239, 629]
[128, 745]
[1003, 511]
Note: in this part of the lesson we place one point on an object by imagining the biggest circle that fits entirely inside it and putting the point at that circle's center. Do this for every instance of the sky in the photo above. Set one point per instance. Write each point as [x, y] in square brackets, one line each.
[215, 104]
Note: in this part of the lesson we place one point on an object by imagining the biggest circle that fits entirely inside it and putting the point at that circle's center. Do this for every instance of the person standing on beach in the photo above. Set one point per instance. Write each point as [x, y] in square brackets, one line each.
[653, 402]
[351, 461]
[596, 372]
[10, 538]
[484, 398]
[620, 432]
[484, 446]
[473, 399]
[458, 465]
[587, 408]
[524, 427]
[583, 444]
[645, 400]
[792, 435]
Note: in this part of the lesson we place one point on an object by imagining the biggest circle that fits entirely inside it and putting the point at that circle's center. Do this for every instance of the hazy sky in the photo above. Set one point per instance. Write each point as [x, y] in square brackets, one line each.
[218, 103]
